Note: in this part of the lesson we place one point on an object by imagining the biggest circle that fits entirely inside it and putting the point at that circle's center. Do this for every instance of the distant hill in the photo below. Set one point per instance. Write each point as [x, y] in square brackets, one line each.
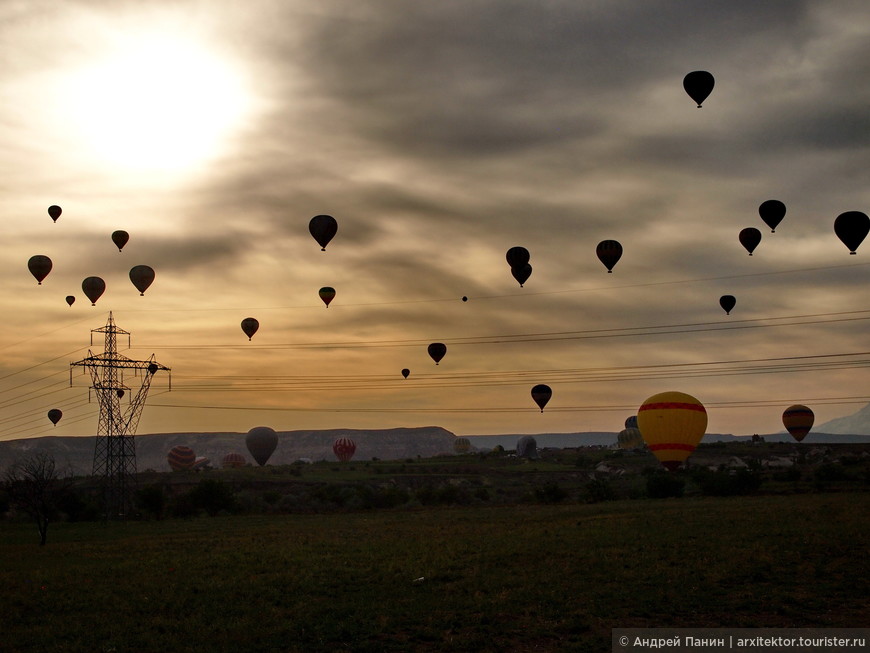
[77, 453]
[857, 423]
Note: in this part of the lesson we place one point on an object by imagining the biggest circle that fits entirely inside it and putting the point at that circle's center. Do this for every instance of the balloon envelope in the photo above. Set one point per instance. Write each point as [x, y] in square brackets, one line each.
[609, 252]
[54, 211]
[250, 326]
[851, 228]
[541, 393]
[344, 448]
[749, 238]
[727, 302]
[462, 445]
[233, 461]
[672, 424]
[323, 228]
[517, 256]
[698, 84]
[631, 422]
[120, 238]
[798, 420]
[437, 350]
[142, 276]
[406, 372]
[522, 273]
[261, 442]
[181, 458]
[629, 438]
[772, 212]
[527, 447]
[327, 294]
[39, 267]
[93, 287]
[54, 415]
[70, 300]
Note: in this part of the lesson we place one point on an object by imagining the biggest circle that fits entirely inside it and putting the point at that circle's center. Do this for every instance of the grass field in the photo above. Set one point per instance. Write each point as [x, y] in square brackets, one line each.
[506, 578]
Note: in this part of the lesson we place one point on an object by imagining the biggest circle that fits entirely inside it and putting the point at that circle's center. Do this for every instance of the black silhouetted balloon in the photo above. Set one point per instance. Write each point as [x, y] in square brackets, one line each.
[142, 277]
[70, 300]
[436, 351]
[327, 294]
[727, 302]
[749, 238]
[851, 228]
[406, 372]
[93, 287]
[261, 442]
[522, 273]
[54, 211]
[464, 298]
[609, 252]
[517, 256]
[698, 85]
[250, 326]
[541, 393]
[120, 239]
[54, 415]
[323, 228]
[772, 212]
[39, 266]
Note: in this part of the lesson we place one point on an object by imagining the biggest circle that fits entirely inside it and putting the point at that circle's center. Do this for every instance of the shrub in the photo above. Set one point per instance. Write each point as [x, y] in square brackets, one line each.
[550, 493]
[213, 497]
[151, 500]
[598, 490]
[661, 485]
[726, 483]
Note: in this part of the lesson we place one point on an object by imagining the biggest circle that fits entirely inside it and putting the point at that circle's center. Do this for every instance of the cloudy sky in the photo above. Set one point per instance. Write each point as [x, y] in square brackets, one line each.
[439, 134]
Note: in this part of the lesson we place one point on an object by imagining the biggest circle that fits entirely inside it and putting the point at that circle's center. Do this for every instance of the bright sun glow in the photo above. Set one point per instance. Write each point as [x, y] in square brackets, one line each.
[157, 105]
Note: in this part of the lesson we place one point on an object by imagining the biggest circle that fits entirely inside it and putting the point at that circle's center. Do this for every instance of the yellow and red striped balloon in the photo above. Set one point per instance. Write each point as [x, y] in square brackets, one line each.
[798, 420]
[180, 458]
[672, 424]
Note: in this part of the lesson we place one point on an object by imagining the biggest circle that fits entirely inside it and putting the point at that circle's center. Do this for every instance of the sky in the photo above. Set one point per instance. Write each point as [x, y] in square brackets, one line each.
[439, 135]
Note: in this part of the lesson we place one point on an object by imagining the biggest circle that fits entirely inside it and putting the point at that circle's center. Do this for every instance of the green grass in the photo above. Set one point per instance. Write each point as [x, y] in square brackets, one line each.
[494, 578]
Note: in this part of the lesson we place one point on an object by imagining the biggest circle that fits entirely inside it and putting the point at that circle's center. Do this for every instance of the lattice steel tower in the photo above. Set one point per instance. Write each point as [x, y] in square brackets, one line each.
[115, 450]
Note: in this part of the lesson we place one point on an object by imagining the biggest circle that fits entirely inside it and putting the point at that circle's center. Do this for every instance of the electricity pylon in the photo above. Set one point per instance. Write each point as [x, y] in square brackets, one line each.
[115, 450]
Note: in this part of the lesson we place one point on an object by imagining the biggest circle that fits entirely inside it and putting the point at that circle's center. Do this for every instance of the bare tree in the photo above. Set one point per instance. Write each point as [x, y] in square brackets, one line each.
[34, 486]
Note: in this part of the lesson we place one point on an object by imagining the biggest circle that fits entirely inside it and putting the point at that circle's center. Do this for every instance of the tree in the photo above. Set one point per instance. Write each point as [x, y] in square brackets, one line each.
[34, 487]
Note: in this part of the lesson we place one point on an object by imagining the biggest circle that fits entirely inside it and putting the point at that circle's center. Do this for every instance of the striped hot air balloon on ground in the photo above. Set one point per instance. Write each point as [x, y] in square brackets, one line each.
[344, 448]
[181, 458]
[630, 438]
[462, 445]
[672, 424]
[233, 461]
[798, 420]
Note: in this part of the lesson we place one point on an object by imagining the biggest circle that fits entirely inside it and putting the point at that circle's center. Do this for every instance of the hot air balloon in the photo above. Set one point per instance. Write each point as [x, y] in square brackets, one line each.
[631, 422]
[517, 257]
[323, 228]
[672, 424]
[437, 350]
[261, 441]
[250, 326]
[344, 448]
[749, 238]
[39, 267]
[70, 300]
[327, 294]
[406, 372]
[698, 85]
[798, 420]
[464, 298]
[609, 252]
[851, 228]
[200, 463]
[527, 447]
[54, 415]
[54, 211]
[727, 302]
[120, 393]
[152, 368]
[93, 287]
[233, 461]
[629, 438]
[522, 273]
[541, 394]
[120, 238]
[142, 276]
[772, 212]
[181, 458]
[462, 445]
